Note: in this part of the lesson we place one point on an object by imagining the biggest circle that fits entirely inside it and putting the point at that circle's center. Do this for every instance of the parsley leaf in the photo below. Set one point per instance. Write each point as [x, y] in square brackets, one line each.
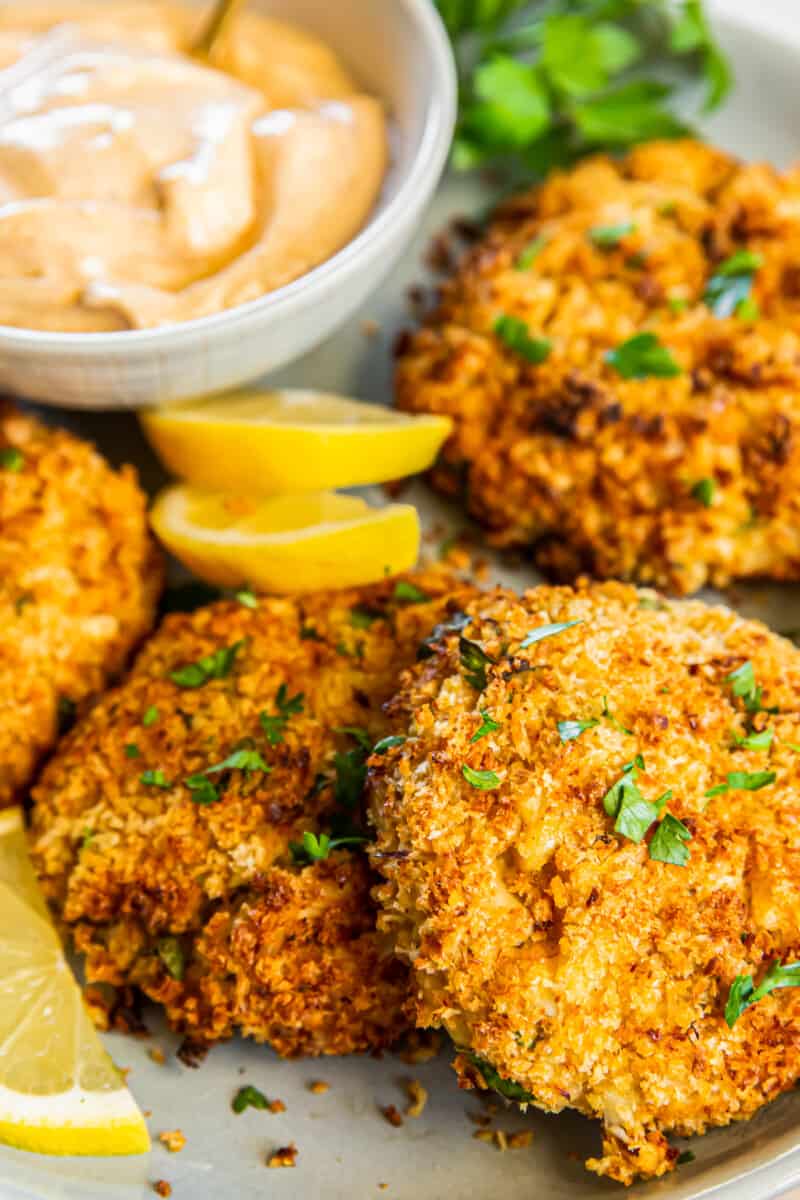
[315, 849]
[486, 726]
[607, 236]
[213, 666]
[240, 760]
[362, 617]
[11, 459]
[456, 623]
[569, 730]
[486, 781]
[743, 991]
[744, 686]
[155, 778]
[247, 598]
[667, 844]
[494, 1080]
[202, 789]
[516, 335]
[545, 631]
[633, 112]
[351, 773]
[274, 725]
[409, 593]
[704, 490]
[170, 951]
[612, 720]
[474, 661]
[529, 255]
[743, 781]
[132, 750]
[249, 1097]
[730, 285]
[641, 357]
[150, 716]
[633, 814]
[761, 740]
[508, 106]
[387, 743]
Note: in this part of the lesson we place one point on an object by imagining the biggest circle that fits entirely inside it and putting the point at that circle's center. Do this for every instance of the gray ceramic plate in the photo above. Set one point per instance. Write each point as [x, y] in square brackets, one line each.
[347, 1150]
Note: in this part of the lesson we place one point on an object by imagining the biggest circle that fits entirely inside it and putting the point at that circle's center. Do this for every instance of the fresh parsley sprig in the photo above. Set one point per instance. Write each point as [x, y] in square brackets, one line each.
[744, 992]
[541, 84]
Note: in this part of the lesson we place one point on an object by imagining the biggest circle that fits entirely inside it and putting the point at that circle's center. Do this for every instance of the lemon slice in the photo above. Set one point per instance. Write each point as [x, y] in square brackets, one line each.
[270, 443]
[287, 543]
[60, 1093]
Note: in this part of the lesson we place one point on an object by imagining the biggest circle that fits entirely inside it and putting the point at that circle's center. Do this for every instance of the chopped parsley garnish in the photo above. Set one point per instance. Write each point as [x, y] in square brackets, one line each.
[641, 357]
[315, 849]
[486, 726]
[530, 253]
[360, 735]
[309, 634]
[362, 617]
[633, 814]
[170, 951]
[213, 666]
[247, 598]
[743, 781]
[762, 740]
[704, 490]
[729, 287]
[677, 304]
[569, 730]
[743, 991]
[240, 760]
[274, 724]
[86, 837]
[249, 1097]
[668, 842]
[686, 1157]
[155, 778]
[150, 717]
[545, 631]
[132, 750]
[456, 623]
[202, 789]
[516, 335]
[474, 660]
[744, 686]
[351, 773]
[388, 743]
[11, 459]
[612, 720]
[408, 593]
[494, 1080]
[608, 236]
[748, 309]
[486, 781]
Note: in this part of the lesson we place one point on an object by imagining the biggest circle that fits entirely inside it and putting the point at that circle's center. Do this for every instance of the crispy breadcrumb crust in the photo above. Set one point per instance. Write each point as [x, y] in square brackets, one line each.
[284, 953]
[595, 472]
[79, 580]
[551, 947]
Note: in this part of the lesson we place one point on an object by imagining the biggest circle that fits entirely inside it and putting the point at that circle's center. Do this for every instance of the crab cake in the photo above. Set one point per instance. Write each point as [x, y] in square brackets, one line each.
[181, 831]
[79, 581]
[671, 459]
[590, 840]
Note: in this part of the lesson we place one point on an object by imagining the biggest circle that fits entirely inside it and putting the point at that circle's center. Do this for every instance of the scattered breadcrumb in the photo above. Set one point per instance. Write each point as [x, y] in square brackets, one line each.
[319, 1087]
[286, 1156]
[479, 1118]
[276, 1106]
[421, 1046]
[173, 1139]
[417, 1097]
[370, 328]
[392, 1115]
[520, 1140]
[503, 1140]
[157, 1055]
[162, 1188]
[483, 1135]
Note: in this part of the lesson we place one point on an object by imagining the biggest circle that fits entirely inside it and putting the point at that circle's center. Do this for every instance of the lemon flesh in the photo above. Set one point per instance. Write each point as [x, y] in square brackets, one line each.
[60, 1093]
[269, 443]
[288, 543]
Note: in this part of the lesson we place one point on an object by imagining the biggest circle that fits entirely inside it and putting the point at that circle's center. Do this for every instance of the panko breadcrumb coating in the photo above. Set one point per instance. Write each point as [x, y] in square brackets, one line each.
[553, 927]
[79, 580]
[676, 481]
[191, 892]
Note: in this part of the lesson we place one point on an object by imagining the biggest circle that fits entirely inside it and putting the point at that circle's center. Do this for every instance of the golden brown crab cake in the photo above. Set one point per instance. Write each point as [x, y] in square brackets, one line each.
[676, 460]
[590, 833]
[181, 830]
[79, 580]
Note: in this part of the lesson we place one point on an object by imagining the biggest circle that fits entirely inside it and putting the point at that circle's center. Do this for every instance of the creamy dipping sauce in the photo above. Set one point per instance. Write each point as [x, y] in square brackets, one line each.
[140, 187]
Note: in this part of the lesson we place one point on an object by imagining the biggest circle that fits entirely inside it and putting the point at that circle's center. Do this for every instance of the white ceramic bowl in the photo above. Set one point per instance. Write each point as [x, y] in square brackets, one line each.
[397, 49]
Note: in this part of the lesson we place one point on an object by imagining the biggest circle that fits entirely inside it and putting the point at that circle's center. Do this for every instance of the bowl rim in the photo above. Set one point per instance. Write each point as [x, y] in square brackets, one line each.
[414, 188]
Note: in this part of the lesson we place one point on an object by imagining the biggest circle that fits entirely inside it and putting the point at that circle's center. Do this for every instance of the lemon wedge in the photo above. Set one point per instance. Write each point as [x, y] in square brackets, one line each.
[270, 443]
[60, 1093]
[286, 543]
